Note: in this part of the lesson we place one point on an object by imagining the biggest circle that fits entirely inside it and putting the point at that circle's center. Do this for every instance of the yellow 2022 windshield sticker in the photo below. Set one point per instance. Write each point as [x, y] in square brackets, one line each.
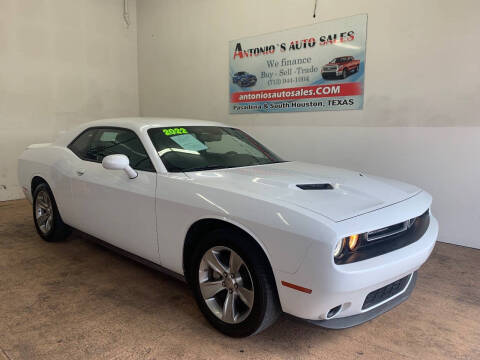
[175, 131]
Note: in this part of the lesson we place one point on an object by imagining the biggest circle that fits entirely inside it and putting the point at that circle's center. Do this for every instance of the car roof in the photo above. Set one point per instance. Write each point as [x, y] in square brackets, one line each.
[137, 124]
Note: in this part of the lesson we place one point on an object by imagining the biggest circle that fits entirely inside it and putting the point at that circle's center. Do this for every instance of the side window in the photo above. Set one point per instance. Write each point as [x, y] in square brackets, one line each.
[80, 145]
[109, 141]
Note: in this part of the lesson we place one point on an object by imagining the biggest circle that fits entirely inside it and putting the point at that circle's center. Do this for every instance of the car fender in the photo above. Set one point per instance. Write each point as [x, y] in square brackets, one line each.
[235, 224]
[29, 167]
[50, 164]
[284, 231]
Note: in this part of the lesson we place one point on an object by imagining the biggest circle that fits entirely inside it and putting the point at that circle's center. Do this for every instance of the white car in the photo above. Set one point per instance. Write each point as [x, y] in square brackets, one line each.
[252, 234]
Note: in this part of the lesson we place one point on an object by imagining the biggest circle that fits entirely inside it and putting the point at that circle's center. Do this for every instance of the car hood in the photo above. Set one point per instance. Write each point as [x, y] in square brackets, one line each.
[352, 193]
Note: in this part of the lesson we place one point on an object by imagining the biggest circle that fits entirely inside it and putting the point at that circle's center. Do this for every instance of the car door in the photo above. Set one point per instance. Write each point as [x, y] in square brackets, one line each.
[107, 203]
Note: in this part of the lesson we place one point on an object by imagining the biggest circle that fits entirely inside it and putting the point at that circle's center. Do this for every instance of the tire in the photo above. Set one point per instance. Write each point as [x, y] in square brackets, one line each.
[46, 216]
[357, 68]
[344, 73]
[251, 292]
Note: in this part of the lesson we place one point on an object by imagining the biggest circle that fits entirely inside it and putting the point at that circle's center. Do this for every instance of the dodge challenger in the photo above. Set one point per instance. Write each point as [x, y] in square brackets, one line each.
[252, 234]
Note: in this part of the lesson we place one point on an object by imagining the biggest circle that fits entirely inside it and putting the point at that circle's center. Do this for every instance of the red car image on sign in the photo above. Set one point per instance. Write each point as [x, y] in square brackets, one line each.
[340, 67]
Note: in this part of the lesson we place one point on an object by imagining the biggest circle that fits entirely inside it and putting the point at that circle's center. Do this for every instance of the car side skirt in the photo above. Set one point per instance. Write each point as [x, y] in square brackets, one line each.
[137, 258]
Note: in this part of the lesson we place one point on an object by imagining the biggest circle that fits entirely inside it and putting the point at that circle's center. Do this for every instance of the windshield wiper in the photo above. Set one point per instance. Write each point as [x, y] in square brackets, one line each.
[206, 167]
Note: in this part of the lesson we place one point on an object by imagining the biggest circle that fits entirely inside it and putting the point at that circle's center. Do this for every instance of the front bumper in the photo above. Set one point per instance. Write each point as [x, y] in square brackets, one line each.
[247, 83]
[331, 73]
[349, 285]
[354, 320]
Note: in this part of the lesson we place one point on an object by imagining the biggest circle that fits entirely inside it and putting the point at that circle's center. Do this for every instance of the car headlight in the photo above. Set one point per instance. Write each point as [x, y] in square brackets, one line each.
[339, 248]
[346, 245]
[352, 242]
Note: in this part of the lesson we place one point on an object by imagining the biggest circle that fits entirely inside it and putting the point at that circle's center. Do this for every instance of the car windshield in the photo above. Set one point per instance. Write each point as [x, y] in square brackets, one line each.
[241, 73]
[339, 60]
[195, 148]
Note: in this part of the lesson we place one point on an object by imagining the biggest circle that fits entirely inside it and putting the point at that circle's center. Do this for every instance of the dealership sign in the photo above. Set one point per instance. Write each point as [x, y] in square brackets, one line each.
[312, 68]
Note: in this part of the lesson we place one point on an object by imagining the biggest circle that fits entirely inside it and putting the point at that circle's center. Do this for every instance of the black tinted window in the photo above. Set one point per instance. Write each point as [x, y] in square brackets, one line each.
[110, 141]
[81, 143]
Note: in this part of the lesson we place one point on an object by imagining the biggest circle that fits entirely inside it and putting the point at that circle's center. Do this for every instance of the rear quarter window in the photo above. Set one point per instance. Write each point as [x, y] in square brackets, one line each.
[80, 145]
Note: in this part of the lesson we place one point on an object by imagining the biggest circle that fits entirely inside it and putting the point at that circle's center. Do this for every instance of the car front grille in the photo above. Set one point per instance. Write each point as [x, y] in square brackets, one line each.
[390, 230]
[330, 68]
[384, 240]
[386, 292]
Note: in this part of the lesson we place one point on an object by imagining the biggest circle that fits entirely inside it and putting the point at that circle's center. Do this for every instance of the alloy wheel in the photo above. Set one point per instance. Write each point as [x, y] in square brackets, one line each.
[226, 284]
[44, 212]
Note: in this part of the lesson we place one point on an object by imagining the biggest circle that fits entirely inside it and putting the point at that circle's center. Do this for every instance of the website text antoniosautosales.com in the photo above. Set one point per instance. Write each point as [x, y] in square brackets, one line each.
[303, 92]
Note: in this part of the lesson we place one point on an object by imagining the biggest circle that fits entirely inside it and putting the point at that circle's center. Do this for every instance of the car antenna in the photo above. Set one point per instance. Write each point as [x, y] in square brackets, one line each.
[315, 9]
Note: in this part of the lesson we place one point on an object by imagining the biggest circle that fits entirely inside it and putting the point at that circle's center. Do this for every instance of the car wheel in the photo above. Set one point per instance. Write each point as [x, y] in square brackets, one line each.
[233, 284]
[47, 219]
[357, 68]
[344, 73]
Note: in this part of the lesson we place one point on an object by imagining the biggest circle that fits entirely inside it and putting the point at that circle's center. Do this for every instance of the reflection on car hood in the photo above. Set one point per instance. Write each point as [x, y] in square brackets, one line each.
[352, 194]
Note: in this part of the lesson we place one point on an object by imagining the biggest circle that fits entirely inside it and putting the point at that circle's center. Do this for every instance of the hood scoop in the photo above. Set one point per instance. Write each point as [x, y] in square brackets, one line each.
[315, 186]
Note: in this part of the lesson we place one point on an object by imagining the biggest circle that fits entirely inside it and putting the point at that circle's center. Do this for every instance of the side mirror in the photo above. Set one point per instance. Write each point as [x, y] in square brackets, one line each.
[119, 162]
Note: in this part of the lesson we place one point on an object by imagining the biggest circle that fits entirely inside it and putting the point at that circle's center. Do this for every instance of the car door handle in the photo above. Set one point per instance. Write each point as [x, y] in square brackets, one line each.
[80, 172]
